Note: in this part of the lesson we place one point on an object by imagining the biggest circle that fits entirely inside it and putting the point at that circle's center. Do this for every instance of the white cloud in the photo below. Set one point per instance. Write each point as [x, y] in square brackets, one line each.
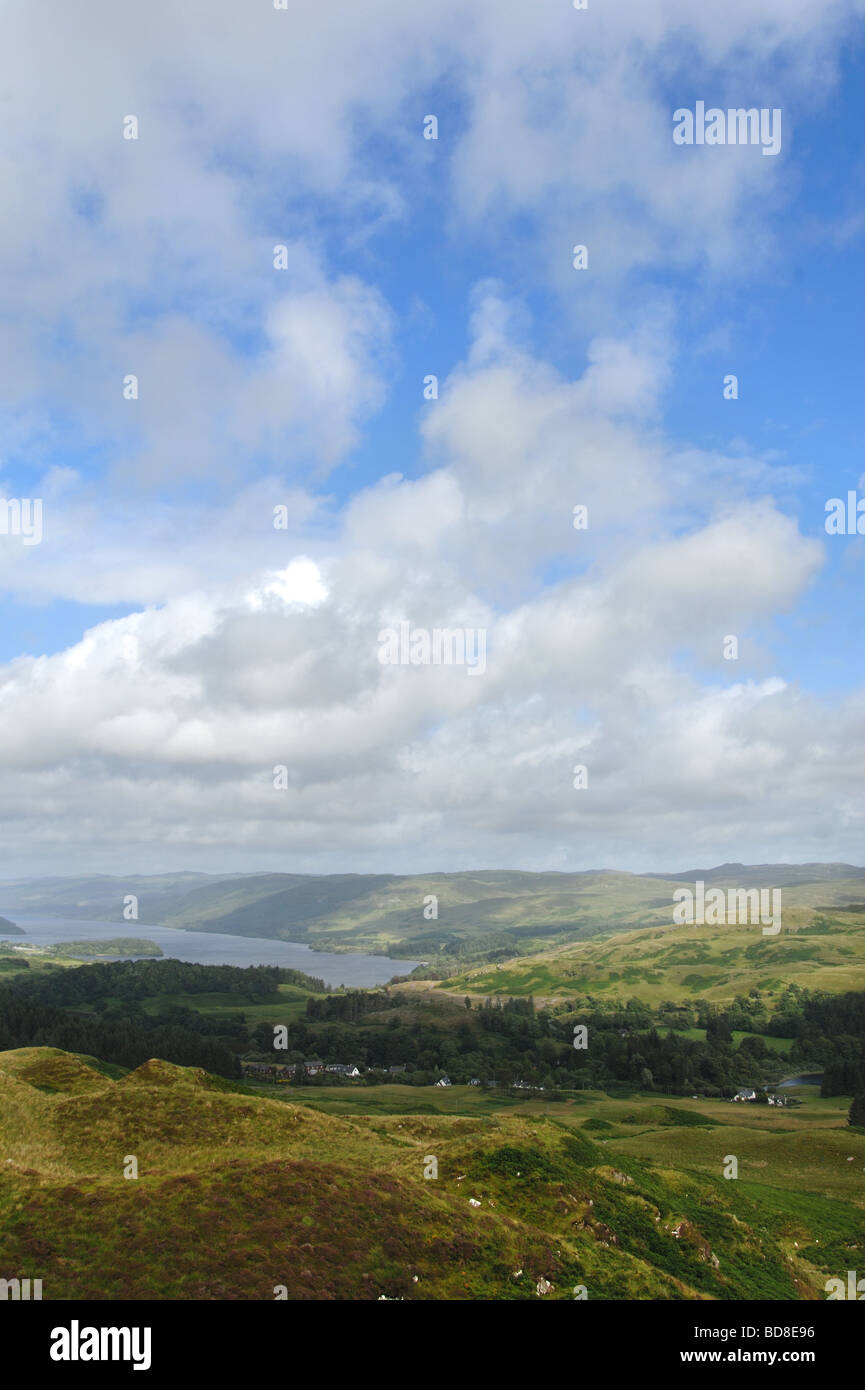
[300, 582]
[155, 735]
[193, 702]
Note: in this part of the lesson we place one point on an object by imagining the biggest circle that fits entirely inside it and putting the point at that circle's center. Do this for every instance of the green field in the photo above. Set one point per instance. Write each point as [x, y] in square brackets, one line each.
[780, 1045]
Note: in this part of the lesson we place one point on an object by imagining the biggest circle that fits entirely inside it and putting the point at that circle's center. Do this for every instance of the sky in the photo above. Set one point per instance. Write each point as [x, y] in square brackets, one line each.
[230, 264]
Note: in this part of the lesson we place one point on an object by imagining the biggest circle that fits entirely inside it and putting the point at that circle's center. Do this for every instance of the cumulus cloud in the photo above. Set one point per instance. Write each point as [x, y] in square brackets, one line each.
[155, 256]
[151, 741]
[195, 700]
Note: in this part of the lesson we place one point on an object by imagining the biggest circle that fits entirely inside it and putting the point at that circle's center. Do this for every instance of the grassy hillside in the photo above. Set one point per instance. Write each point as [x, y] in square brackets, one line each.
[689, 963]
[238, 1194]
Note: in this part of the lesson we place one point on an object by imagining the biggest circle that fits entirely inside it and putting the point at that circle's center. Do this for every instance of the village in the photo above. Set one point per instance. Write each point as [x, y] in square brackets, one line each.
[297, 1072]
[747, 1093]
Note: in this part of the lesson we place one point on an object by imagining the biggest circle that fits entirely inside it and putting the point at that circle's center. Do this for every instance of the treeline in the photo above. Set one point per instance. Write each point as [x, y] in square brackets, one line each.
[100, 1009]
[127, 1037]
[843, 1079]
[143, 979]
[514, 1017]
[355, 1004]
[673, 1063]
[45, 1010]
[510, 1040]
[498, 1041]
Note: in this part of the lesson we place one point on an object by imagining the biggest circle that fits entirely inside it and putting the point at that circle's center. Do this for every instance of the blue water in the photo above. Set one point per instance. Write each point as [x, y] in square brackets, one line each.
[217, 948]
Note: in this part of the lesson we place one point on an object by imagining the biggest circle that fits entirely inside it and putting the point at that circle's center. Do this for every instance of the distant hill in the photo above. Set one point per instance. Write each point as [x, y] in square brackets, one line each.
[814, 950]
[765, 875]
[99, 897]
[8, 928]
[479, 914]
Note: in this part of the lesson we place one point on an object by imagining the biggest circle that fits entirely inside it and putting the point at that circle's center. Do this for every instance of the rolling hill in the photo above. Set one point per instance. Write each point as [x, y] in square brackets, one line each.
[239, 1197]
[818, 951]
[482, 915]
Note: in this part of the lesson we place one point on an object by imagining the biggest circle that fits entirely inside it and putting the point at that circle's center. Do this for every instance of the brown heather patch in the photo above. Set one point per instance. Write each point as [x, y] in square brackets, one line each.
[238, 1233]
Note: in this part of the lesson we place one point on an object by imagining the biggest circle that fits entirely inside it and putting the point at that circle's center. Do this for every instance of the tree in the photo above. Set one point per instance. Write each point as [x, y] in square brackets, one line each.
[718, 1029]
[857, 1111]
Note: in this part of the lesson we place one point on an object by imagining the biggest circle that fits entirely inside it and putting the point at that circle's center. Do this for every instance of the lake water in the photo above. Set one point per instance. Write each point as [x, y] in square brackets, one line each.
[217, 948]
[811, 1078]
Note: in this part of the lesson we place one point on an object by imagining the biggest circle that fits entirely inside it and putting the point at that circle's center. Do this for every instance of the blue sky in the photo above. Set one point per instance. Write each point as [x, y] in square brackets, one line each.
[164, 647]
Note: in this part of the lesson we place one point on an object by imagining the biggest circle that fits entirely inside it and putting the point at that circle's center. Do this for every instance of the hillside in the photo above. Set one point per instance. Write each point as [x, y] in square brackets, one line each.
[483, 915]
[99, 897]
[237, 1195]
[818, 951]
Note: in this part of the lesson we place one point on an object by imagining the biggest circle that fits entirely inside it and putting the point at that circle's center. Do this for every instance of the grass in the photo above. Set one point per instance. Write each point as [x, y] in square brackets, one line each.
[779, 1045]
[323, 1191]
[683, 963]
[397, 1100]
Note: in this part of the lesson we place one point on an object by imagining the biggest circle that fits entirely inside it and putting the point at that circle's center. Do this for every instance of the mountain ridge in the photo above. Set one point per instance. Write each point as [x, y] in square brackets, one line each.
[439, 917]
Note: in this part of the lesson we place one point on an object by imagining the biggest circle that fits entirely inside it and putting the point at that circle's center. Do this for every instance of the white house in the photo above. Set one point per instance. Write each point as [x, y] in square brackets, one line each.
[745, 1094]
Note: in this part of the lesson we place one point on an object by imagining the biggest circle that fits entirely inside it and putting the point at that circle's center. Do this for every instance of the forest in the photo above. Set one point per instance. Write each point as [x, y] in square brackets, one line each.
[119, 1012]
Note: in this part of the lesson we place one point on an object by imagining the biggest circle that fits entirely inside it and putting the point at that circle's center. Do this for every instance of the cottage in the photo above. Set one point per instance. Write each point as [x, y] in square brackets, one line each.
[266, 1071]
[443, 1081]
[745, 1094]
